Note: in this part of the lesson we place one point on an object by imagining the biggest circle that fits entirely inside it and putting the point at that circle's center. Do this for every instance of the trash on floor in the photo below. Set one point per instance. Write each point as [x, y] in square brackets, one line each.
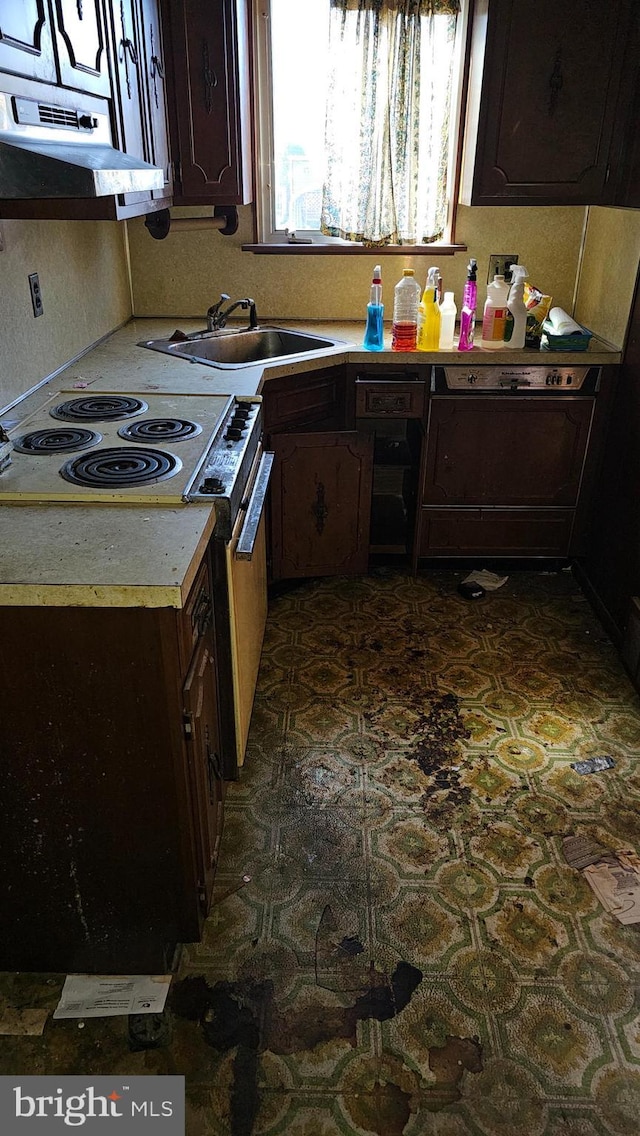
[107, 996]
[580, 851]
[616, 882]
[486, 579]
[469, 590]
[593, 764]
[25, 1022]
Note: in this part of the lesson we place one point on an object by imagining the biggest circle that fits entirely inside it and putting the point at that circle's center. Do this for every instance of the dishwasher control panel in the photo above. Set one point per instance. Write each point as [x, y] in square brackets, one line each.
[505, 377]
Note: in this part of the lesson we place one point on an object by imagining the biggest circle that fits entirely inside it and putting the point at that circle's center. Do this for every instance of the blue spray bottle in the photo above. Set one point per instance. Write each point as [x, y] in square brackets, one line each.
[374, 331]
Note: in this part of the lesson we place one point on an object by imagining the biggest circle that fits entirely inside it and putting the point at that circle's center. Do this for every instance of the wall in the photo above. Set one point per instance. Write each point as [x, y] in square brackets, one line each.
[608, 271]
[183, 274]
[82, 266]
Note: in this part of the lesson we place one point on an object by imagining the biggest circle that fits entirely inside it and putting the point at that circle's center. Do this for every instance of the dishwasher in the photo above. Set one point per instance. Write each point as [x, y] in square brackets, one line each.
[504, 460]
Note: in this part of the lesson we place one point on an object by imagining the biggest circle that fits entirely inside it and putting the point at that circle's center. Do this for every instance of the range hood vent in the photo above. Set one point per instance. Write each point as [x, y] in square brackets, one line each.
[48, 151]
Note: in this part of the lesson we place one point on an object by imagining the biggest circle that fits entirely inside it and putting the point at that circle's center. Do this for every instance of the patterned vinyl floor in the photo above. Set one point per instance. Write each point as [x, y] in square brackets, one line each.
[397, 945]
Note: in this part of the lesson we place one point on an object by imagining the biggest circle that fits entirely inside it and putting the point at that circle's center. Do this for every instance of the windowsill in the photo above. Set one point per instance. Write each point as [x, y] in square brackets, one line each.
[285, 249]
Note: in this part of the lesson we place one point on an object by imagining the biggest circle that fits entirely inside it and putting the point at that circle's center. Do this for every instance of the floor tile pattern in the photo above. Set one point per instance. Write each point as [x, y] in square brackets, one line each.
[410, 954]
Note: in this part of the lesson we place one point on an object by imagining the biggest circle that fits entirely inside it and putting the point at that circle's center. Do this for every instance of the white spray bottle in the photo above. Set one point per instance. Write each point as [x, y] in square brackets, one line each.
[516, 322]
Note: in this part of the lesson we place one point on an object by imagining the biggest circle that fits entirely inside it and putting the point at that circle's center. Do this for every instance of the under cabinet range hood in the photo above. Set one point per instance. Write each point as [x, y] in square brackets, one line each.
[58, 151]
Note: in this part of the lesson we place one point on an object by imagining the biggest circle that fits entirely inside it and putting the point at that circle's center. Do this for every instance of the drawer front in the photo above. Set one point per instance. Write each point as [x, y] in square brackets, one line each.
[197, 615]
[392, 400]
[494, 532]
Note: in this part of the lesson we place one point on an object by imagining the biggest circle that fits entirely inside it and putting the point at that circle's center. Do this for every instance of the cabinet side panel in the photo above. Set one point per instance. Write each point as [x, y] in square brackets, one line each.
[93, 867]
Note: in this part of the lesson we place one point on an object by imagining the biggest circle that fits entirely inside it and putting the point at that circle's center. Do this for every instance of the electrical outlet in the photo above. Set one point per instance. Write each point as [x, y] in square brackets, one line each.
[36, 294]
[498, 261]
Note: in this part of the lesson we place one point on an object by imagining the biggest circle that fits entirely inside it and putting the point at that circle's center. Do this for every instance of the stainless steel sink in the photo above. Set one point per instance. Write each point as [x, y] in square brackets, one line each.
[231, 348]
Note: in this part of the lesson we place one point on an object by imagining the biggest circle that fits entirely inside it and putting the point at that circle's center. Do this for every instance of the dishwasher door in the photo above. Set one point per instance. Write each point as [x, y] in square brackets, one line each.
[246, 594]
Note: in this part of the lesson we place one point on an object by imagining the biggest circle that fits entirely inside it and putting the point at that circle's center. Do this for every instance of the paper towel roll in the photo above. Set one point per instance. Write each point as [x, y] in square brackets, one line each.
[562, 323]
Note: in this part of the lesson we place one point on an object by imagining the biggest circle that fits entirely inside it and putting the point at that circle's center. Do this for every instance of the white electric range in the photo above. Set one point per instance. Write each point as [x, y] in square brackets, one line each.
[151, 448]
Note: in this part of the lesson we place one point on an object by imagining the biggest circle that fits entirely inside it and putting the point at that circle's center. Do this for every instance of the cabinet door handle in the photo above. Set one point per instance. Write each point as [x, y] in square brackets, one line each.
[320, 509]
[156, 69]
[209, 77]
[555, 82]
[126, 50]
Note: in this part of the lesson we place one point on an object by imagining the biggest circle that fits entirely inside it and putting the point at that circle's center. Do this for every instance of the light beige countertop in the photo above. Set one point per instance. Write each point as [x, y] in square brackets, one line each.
[118, 364]
[102, 556]
[136, 555]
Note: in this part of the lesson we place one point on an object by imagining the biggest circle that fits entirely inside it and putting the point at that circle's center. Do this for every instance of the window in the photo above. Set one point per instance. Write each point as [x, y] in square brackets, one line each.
[357, 110]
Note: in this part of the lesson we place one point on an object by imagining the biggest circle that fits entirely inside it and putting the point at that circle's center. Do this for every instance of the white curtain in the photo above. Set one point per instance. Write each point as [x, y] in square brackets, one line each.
[387, 124]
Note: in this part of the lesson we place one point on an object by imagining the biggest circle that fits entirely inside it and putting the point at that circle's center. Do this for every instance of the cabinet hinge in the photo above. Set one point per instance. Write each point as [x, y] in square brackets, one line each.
[187, 726]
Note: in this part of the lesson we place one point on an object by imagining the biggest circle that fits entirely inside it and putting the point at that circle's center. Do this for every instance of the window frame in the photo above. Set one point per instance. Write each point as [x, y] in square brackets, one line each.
[270, 240]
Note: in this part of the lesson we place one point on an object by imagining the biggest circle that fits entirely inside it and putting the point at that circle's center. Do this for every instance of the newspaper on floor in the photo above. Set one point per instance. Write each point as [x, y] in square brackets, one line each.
[487, 580]
[108, 995]
[616, 882]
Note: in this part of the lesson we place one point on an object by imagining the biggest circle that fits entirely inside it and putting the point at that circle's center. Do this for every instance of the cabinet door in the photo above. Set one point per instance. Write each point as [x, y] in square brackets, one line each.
[310, 399]
[129, 103]
[82, 53]
[205, 769]
[508, 451]
[26, 46]
[154, 75]
[208, 42]
[541, 119]
[320, 504]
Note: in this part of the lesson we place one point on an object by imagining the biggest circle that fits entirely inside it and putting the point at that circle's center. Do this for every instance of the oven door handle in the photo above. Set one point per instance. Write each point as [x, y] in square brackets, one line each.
[249, 531]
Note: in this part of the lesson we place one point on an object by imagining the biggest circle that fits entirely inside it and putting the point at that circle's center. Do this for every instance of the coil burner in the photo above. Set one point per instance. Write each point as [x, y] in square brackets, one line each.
[98, 408]
[159, 430]
[120, 467]
[57, 441]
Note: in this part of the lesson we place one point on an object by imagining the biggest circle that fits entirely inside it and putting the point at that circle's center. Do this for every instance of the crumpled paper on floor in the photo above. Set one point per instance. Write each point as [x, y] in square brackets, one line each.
[616, 882]
[487, 580]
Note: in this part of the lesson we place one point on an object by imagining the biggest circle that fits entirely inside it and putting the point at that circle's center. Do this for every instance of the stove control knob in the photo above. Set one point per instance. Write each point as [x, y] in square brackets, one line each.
[233, 434]
[212, 485]
[241, 414]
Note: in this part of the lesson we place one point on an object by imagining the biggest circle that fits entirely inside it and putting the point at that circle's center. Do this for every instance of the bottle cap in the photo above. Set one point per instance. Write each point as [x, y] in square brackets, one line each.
[408, 272]
[377, 275]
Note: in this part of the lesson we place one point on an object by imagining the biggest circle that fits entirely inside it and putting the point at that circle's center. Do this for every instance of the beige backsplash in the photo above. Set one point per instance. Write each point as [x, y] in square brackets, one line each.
[83, 275]
[608, 272]
[82, 268]
[183, 274]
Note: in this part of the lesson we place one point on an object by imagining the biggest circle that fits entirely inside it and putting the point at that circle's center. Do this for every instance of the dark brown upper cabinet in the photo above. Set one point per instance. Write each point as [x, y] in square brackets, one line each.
[209, 97]
[80, 38]
[546, 109]
[106, 57]
[34, 32]
[139, 106]
[26, 40]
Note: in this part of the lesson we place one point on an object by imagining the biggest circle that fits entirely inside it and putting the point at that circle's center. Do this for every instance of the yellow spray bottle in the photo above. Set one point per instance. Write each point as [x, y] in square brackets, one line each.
[429, 314]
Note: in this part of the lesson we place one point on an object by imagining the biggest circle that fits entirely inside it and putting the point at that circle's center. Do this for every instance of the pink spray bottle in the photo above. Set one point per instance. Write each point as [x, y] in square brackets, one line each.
[468, 311]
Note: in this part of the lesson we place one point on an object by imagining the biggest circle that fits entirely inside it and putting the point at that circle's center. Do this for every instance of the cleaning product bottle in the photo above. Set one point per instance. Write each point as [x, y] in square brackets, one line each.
[468, 312]
[374, 331]
[429, 314]
[495, 313]
[406, 297]
[516, 324]
[448, 313]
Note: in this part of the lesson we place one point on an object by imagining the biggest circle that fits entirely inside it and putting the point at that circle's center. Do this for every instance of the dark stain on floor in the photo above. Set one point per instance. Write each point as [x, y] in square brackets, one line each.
[243, 1016]
[448, 1063]
[384, 1110]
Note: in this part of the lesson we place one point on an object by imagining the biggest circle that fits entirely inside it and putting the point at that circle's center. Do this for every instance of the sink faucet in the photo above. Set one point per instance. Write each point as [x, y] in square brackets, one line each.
[216, 319]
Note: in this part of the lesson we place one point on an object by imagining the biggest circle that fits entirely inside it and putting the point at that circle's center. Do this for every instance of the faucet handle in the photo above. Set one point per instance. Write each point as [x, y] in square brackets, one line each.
[216, 307]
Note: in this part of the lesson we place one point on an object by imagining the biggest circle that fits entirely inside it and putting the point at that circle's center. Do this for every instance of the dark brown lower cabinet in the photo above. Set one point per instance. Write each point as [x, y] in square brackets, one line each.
[109, 785]
[320, 503]
[502, 475]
